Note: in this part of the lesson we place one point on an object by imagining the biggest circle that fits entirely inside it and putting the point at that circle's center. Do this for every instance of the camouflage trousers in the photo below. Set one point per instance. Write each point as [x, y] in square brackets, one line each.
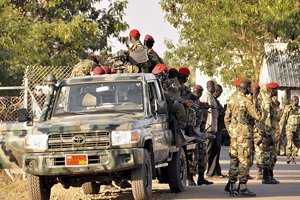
[240, 159]
[202, 160]
[197, 159]
[266, 156]
[277, 141]
[293, 144]
[180, 114]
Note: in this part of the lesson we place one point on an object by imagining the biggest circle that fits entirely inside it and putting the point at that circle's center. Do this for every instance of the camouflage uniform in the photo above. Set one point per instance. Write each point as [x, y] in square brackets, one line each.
[291, 118]
[83, 68]
[268, 155]
[238, 121]
[154, 59]
[278, 136]
[141, 67]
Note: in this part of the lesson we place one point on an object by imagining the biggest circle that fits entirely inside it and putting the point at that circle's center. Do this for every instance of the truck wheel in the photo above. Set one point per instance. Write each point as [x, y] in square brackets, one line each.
[178, 171]
[38, 188]
[141, 179]
[90, 188]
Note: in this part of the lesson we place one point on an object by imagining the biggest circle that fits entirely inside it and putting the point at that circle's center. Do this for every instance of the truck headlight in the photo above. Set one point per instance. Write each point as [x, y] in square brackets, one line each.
[36, 142]
[125, 137]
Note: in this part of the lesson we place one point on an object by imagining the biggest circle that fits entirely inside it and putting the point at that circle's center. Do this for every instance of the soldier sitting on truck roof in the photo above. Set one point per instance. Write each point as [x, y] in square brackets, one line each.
[85, 67]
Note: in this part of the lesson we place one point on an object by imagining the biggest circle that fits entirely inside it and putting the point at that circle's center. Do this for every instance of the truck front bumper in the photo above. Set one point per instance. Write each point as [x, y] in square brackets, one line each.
[99, 161]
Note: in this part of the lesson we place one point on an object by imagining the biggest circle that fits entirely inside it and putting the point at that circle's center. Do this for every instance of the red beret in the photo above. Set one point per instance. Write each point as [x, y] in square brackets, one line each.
[272, 85]
[237, 82]
[173, 69]
[106, 69]
[255, 85]
[198, 87]
[184, 70]
[162, 66]
[157, 70]
[98, 71]
[149, 38]
[134, 33]
[113, 71]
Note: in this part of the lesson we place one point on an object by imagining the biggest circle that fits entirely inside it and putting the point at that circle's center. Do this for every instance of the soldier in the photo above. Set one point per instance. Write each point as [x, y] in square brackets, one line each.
[266, 143]
[290, 122]
[154, 58]
[173, 73]
[277, 131]
[136, 45]
[238, 120]
[85, 67]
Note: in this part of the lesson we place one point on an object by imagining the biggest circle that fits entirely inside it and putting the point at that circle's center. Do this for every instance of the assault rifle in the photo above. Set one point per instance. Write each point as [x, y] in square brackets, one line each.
[119, 61]
[197, 105]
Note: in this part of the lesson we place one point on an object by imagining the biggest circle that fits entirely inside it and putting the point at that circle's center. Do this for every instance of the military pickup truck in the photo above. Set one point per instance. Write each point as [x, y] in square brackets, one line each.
[97, 129]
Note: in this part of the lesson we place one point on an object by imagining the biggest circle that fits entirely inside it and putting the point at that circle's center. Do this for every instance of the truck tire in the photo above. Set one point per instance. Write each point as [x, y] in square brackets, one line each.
[90, 188]
[141, 179]
[178, 171]
[38, 188]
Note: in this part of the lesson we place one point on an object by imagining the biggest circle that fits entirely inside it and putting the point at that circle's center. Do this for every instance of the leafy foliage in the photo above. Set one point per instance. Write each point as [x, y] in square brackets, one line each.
[227, 37]
[54, 32]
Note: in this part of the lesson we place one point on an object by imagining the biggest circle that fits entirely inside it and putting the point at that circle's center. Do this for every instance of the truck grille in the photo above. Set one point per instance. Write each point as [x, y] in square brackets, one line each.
[78, 141]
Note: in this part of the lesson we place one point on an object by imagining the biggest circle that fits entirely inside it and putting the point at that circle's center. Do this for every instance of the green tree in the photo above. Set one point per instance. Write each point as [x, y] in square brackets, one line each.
[54, 32]
[227, 37]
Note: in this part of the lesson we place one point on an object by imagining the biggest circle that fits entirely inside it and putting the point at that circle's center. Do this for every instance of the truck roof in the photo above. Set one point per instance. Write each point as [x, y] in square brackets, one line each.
[107, 78]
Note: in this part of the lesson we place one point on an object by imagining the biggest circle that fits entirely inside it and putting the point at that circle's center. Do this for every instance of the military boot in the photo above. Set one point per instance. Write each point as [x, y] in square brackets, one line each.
[244, 191]
[288, 160]
[293, 161]
[191, 181]
[233, 191]
[272, 176]
[259, 174]
[202, 180]
[266, 178]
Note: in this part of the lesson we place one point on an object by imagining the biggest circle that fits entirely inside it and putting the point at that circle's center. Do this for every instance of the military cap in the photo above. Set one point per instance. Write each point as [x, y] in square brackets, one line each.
[255, 85]
[113, 71]
[94, 56]
[184, 70]
[237, 81]
[245, 81]
[134, 33]
[149, 38]
[106, 69]
[173, 69]
[98, 71]
[162, 66]
[272, 85]
[157, 70]
[198, 87]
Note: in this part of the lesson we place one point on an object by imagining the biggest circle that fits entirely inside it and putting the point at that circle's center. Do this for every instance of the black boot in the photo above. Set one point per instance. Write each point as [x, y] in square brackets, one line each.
[288, 160]
[191, 181]
[227, 187]
[272, 176]
[259, 174]
[232, 189]
[266, 178]
[244, 191]
[293, 161]
[202, 180]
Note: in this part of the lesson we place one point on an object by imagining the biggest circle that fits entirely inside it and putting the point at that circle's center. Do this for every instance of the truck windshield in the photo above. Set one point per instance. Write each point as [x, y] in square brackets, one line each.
[123, 97]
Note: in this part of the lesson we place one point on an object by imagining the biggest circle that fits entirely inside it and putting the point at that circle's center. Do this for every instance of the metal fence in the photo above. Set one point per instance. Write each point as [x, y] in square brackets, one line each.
[33, 93]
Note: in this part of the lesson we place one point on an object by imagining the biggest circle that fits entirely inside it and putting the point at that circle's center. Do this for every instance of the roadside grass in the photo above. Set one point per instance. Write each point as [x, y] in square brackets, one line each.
[12, 190]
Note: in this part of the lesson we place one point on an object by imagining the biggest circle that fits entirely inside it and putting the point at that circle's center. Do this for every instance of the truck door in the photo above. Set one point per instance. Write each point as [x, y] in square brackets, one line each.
[162, 138]
[12, 136]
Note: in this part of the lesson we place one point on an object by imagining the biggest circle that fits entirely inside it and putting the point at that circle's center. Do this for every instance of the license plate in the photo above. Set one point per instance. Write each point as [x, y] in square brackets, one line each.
[75, 160]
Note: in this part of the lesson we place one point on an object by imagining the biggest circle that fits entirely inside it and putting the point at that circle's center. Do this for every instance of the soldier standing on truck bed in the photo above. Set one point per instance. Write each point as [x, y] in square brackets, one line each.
[154, 58]
[290, 122]
[238, 116]
[134, 37]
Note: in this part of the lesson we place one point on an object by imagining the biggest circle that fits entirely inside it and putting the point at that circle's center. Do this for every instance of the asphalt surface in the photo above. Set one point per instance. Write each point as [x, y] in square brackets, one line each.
[288, 175]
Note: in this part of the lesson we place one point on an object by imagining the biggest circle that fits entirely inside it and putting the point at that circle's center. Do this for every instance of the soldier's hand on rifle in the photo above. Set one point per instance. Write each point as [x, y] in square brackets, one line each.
[189, 103]
[166, 92]
[206, 105]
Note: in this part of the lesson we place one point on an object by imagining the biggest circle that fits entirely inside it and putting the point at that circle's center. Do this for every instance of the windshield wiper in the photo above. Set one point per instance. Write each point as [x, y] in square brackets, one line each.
[112, 110]
[72, 113]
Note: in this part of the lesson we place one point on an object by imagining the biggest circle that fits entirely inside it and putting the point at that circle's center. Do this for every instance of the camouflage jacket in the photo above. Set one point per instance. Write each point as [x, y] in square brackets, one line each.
[83, 68]
[142, 66]
[154, 59]
[290, 119]
[173, 85]
[268, 109]
[243, 111]
[230, 123]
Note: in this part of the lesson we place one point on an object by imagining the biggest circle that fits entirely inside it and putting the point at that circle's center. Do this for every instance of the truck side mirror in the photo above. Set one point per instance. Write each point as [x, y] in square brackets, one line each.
[161, 107]
[23, 115]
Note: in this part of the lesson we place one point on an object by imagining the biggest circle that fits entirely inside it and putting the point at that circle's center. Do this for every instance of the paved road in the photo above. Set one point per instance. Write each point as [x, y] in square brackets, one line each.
[288, 175]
